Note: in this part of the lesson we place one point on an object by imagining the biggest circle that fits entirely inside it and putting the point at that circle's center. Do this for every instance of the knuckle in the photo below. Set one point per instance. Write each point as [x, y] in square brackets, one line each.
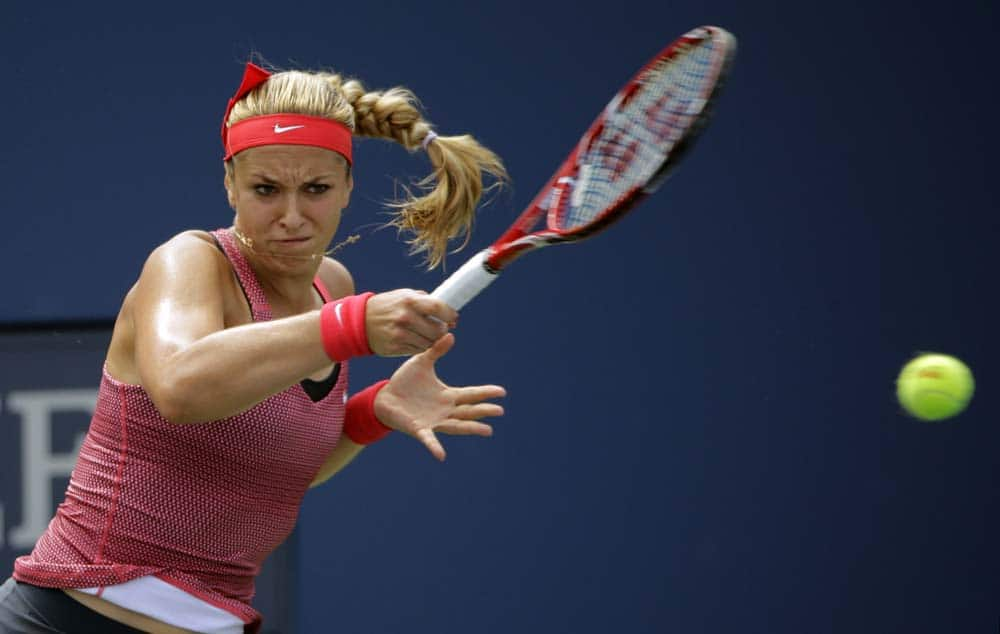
[403, 321]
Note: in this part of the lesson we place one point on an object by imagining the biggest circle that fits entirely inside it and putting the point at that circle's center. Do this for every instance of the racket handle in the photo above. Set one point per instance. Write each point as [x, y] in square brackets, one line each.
[466, 282]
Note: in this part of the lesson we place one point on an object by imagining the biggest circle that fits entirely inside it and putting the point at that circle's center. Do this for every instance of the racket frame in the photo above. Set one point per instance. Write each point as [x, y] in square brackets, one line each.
[480, 270]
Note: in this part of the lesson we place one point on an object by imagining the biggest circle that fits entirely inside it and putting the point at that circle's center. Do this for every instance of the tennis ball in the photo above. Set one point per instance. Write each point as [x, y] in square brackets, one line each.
[934, 386]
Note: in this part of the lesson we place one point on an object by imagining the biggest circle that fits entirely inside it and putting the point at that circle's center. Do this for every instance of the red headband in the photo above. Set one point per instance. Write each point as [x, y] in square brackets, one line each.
[280, 129]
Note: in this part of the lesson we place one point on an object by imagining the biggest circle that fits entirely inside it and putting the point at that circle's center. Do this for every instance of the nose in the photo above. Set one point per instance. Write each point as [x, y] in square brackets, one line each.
[291, 213]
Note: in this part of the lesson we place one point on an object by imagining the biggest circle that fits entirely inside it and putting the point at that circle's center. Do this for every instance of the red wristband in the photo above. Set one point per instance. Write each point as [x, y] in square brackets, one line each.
[360, 423]
[342, 327]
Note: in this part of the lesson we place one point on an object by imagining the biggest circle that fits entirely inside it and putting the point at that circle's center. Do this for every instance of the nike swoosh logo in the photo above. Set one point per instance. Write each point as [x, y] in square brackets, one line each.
[279, 130]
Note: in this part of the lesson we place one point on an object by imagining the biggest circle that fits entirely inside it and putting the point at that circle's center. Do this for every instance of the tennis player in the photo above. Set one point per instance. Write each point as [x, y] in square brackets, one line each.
[224, 394]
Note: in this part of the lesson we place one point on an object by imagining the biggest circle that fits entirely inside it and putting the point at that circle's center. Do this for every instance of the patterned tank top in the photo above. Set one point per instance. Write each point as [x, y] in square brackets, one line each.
[199, 506]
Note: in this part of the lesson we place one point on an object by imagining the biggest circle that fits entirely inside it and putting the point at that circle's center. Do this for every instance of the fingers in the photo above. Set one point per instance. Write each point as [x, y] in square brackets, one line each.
[477, 411]
[410, 337]
[406, 322]
[407, 345]
[464, 420]
[435, 309]
[423, 315]
[477, 393]
[465, 428]
[430, 441]
[452, 427]
[424, 329]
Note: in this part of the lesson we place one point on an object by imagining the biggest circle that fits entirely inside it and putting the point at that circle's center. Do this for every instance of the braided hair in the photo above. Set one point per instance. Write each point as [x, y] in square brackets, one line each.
[444, 206]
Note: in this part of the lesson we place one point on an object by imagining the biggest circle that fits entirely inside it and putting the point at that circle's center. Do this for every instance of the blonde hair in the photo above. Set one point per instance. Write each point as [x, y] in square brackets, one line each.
[445, 208]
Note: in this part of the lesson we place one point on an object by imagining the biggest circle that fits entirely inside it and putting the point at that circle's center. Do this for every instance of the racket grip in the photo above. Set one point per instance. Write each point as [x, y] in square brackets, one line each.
[466, 282]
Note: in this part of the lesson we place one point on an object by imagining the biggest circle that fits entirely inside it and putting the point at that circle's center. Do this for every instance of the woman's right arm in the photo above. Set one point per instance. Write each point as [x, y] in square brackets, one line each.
[195, 370]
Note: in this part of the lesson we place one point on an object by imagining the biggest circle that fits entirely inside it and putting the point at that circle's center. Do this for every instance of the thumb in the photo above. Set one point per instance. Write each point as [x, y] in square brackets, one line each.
[440, 348]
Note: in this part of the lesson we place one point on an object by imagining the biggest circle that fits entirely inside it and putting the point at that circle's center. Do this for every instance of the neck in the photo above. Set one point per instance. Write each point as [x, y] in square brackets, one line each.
[287, 282]
[289, 294]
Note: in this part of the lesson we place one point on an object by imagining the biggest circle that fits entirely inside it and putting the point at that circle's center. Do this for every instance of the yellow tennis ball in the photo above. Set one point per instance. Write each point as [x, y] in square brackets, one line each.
[934, 386]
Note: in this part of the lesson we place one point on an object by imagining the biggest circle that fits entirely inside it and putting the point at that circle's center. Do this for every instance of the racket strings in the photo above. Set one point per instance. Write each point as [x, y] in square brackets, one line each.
[637, 138]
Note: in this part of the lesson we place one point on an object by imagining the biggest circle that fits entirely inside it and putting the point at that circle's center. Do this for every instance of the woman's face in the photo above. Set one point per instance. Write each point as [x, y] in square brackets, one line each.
[288, 201]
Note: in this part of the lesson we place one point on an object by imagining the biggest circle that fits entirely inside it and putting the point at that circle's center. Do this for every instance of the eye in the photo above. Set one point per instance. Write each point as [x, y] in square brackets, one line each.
[264, 189]
[317, 188]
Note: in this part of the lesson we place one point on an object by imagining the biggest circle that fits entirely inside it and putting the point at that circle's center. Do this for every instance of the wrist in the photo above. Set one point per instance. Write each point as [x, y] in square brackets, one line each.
[342, 327]
[361, 424]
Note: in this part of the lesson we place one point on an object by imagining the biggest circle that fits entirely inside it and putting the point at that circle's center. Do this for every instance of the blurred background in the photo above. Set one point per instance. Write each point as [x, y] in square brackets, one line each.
[701, 430]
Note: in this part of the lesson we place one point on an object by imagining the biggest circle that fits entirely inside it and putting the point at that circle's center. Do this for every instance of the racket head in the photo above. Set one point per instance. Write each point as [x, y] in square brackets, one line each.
[631, 148]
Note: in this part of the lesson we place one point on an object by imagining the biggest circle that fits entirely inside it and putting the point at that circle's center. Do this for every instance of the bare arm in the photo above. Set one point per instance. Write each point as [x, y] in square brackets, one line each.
[196, 370]
[341, 456]
[192, 367]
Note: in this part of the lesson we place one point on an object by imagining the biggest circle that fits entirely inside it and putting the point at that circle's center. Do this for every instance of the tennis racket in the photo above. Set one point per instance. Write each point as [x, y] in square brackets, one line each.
[625, 155]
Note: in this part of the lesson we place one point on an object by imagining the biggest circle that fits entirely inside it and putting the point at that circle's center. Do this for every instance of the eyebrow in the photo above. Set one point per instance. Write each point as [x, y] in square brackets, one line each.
[268, 179]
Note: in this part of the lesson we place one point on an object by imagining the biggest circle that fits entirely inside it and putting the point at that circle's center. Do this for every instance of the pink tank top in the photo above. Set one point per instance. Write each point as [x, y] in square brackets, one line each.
[200, 506]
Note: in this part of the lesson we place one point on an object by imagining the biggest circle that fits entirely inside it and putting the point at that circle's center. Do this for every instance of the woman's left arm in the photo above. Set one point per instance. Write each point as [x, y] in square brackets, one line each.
[416, 402]
[341, 456]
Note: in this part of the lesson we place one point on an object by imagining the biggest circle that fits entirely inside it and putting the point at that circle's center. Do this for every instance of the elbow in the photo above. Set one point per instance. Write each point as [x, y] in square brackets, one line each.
[176, 415]
[176, 402]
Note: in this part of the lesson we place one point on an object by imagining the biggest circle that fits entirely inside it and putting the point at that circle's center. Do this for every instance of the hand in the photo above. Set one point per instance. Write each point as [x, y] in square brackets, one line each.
[406, 322]
[418, 404]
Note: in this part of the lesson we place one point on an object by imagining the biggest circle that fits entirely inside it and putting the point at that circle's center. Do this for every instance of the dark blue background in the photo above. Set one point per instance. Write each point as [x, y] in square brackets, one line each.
[701, 432]
[46, 358]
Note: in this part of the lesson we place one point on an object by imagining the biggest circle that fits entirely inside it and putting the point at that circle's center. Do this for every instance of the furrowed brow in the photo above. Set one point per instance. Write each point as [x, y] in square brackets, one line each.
[260, 176]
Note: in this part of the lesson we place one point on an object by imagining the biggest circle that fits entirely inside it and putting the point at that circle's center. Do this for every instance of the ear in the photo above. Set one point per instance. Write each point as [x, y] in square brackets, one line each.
[227, 182]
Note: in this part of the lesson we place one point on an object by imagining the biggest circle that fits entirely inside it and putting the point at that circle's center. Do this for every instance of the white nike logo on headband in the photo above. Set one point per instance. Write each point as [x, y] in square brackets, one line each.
[278, 129]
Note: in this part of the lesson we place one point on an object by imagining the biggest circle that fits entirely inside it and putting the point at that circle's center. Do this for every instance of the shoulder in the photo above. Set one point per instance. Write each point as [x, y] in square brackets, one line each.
[190, 239]
[190, 258]
[336, 278]
[188, 246]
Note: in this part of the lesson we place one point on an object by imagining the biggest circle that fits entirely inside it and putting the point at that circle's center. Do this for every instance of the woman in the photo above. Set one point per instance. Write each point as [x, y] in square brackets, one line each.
[224, 390]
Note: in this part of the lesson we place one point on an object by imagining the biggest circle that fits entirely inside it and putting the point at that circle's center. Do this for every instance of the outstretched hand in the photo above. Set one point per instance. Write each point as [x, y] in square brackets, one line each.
[417, 403]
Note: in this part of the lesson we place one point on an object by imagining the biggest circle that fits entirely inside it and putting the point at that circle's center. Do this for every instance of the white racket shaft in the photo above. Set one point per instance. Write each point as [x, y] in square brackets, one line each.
[466, 282]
